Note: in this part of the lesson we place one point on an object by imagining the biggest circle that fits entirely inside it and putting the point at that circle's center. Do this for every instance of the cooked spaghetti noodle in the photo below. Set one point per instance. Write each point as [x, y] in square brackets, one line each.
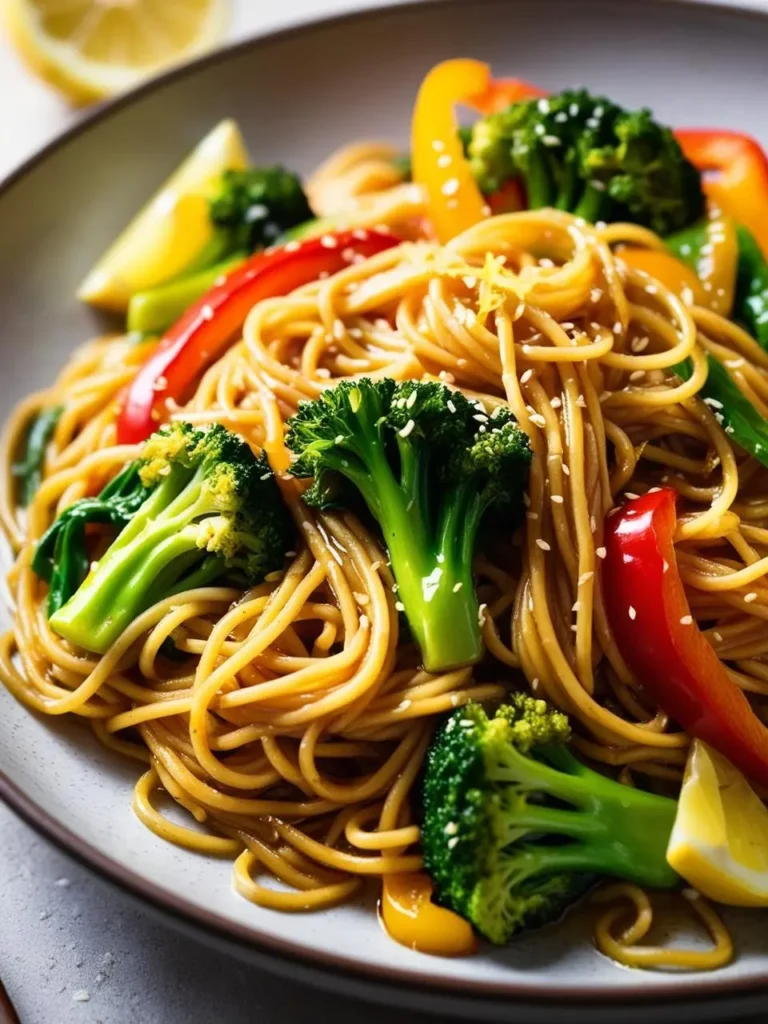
[294, 731]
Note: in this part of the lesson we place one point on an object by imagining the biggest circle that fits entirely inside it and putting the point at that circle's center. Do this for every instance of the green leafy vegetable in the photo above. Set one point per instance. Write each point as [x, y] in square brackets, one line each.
[197, 505]
[28, 471]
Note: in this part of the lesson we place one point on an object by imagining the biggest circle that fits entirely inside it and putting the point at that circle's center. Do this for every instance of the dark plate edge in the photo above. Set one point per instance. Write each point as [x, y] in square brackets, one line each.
[251, 941]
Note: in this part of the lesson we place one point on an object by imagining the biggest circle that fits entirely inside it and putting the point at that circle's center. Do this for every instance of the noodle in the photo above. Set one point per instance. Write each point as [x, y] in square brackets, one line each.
[293, 733]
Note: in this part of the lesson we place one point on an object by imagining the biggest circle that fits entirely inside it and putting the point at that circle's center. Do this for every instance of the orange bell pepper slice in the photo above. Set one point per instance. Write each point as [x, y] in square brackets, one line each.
[740, 164]
[502, 92]
[666, 268]
[454, 202]
[413, 920]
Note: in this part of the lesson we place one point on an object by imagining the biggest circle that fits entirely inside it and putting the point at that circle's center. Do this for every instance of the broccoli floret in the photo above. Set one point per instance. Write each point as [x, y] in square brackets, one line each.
[252, 208]
[428, 463]
[587, 155]
[206, 506]
[515, 828]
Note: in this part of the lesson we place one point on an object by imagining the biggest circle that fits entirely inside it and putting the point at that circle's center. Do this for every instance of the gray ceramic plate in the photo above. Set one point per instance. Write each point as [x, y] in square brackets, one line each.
[297, 95]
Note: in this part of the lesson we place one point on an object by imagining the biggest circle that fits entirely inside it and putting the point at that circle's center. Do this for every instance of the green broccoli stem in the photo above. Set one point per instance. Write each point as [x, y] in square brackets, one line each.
[143, 565]
[434, 573]
[155, 310]
[594, 205]
[125, 584]
[617, 830]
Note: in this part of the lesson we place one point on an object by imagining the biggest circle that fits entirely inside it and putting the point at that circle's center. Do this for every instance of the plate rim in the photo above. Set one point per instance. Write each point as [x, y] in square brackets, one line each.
[254, 940]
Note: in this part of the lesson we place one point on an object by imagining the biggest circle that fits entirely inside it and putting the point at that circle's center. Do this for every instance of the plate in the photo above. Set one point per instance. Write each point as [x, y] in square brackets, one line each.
[298, 94]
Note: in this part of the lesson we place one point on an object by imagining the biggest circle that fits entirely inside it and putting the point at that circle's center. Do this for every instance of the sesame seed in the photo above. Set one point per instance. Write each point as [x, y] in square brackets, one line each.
[637, 374]
[407, 428]
[339, 439]
[543, 544]
[531, 515]
[404, 705]
[651, 289]
[361, 234]
[734, 364]
[555, 403]
[450, 187]
[375, 566]
[450, 405]
[718, 637]
[596, 294]
[452, 842]
[576, 606]
[530, 604]
[535, 684]
[81, 995]
[329, 242]
[411, 400]
[481, 614]
[399, 606]
[566, 470]
[207, 312]
[438, 145]
[265, 476]
[339, 330]
[631, 495]
[558, 499]
[601, 553]
[665, 565]
[457, 587]
[292, 246]
[538, 420]
[526, 499]
[638, 344]
[686, 620]
[451, 828]
[713, 402]
[618, 327]
[322, 371]
[632, 613]
[447, 377]
[526, 376]
[480, 417]
[585, 577]
[360, 598]
[444, 160]
[580, 402]
[750, 597]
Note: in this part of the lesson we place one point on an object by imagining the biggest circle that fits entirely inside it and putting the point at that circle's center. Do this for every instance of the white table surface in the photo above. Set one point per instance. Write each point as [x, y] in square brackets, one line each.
[73, 949]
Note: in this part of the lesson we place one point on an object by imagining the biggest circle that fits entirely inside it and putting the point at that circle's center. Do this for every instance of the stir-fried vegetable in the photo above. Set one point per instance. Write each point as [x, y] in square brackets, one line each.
[660, 641]
[428, 463]
[28, 469]
[208, 327]
[209, 506]
[154, 311]
[454, 202]
[743, 423]
[515, 828]
[62, 553]
[740, 166]
[585, 154]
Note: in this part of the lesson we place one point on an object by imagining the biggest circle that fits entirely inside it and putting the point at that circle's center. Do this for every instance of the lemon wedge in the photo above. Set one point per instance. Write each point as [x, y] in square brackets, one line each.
[167, 234]
[89, 49]
[719, 842]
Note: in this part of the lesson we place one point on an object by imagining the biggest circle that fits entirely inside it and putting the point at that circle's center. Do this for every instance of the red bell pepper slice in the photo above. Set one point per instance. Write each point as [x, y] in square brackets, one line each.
[741, 166]
[208, 327]
[661, 643]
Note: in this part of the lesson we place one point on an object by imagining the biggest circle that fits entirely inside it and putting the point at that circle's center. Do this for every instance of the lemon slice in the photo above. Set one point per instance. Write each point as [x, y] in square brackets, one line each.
[719, 842]
[167, 234]
[90, 49]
